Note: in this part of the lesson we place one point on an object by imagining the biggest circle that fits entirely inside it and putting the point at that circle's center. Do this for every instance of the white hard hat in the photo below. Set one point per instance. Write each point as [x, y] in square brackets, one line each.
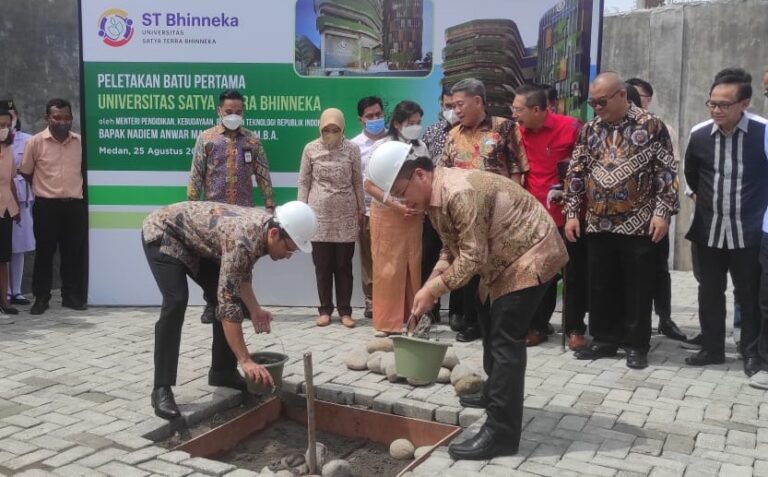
[299, 222]
[386, 161]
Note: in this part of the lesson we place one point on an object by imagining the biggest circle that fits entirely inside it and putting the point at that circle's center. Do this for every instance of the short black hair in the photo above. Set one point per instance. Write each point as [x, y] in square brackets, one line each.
[367, 102]
[737, 76]
[421, 162]
[641, 83]
[57, 103]
[445, 92]
[230, 94]
[633, 95]
[535, 95]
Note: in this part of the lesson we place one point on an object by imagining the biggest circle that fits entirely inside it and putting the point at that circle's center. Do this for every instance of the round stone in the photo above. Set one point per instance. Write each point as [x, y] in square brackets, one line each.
[468, 385]
[357, 359]
[380, 344]
[402, 449]
[444, 376]
[459, 371]
[450, 360]
[374, 362]
[337, 468]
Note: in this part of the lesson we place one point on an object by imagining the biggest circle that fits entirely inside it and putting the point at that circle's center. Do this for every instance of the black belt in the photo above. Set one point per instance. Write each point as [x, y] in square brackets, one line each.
[68, 199]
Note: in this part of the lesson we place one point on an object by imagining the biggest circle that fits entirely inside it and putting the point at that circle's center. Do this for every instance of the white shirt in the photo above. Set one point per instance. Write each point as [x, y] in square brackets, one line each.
[366, 147]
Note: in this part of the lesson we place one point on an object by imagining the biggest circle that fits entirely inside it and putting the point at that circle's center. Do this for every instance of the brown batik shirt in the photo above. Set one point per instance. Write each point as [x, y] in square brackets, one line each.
[231, 235]
[491, 226]
[624, 173]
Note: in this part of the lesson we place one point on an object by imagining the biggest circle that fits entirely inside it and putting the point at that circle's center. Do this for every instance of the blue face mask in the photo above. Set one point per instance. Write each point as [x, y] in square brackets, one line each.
[375, 126]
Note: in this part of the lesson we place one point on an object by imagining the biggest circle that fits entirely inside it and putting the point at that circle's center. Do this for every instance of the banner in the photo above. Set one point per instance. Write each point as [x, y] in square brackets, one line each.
[153, 70]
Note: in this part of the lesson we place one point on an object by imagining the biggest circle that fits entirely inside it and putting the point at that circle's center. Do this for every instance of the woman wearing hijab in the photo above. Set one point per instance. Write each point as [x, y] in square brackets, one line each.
[9, 205]
[331, 183]
[396, 233]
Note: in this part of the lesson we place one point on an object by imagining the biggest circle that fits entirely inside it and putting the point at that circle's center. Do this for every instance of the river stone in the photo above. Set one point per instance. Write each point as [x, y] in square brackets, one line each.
[401, 449]
[322, 454]
[444, 376]
[391, 372]
[421, 451]
[451, 360]
[471, 384]
[374, 362]
[357, 359]
[266, 472]
[284, 473]
[293, 460]
[337, 468]
[459, 371]
[380, 344]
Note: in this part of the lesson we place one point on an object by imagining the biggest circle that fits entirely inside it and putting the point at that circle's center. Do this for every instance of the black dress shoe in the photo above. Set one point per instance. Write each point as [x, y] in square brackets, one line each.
[693, 343]
[41, 304]
[486, 444]
[19, 300]
[752, 365]
[637, 359]
[228, 379]
[209, 314]
[73, 305]
[668, 328]
[368, 313]
[703, 358]
[595, 351]
[477, 401]
[456, 321]
[470, 333]
[8, 310]
[164, 404]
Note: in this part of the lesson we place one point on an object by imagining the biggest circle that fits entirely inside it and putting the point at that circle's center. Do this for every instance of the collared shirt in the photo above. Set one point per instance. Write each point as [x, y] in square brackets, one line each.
[547, 148]
[221, 171]
[7, 172]
[728, 175]
[493, 146]
[23, 190]
[232, 235]
[56, 167]
[365, 144]
[435, 137]
[624, 173]
[331, 183]
[491, 226]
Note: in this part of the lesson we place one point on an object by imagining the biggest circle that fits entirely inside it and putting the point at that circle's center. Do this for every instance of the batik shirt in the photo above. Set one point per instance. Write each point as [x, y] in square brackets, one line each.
[625, 172]
[232, 235]
[493, 146]
[491, 226]
[435, 137]
[221, 170]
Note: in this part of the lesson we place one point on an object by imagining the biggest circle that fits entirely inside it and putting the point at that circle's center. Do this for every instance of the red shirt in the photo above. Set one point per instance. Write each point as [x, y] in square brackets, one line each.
[545, 147]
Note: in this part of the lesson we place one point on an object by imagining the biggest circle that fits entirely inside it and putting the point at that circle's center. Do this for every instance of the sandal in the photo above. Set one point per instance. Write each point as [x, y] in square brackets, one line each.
[323, 320]
[347, 321]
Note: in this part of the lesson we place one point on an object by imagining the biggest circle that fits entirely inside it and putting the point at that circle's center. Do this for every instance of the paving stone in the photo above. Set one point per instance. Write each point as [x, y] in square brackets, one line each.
[69, 456]
[710, 441]
[731, 470]
[678, 443]
[760, 468]
[208, 466]
[28, 459]
[415, 409]
[102, 457]
[142, 455]
[118, 469]
[469, 416]
[174, 456]
[572, 423]
[582, 451]
[165, 468]
[76, 470]
[241, 473]
[447, 415]
[584, 468]
[741, 439]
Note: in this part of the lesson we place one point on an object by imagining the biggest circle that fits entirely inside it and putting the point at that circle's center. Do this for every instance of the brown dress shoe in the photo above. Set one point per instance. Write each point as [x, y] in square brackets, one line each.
[535, 338]
[576, 341]
[347, 321]
[323, 320]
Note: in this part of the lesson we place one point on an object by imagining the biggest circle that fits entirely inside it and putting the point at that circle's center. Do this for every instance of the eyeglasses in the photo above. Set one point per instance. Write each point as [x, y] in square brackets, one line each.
[400, 195]
[723, 106]
[602, 102]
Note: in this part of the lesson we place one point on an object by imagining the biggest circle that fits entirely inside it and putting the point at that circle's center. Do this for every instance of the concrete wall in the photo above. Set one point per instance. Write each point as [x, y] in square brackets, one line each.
[678, 49]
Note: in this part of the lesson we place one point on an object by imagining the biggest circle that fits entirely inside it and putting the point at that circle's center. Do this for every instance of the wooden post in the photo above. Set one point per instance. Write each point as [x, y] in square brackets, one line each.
[310, 390]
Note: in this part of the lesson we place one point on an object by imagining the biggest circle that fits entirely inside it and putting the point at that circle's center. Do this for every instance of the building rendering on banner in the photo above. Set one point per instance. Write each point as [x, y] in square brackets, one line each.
[491, 51]
[359, 36]
[565, 33]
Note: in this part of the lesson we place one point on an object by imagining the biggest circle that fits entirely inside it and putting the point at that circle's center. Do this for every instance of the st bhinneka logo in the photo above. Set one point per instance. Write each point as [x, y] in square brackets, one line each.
[115, 28]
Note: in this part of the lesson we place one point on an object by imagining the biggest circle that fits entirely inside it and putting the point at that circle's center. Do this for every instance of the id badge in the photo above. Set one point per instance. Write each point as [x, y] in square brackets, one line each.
[247, 156]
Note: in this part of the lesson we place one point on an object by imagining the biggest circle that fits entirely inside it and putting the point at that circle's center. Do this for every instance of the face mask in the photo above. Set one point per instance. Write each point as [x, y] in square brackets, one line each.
[331, 139]
[375, 126]
[411, 132]
[60, 129]
[450, 116]
[4, 134]
[232, 121]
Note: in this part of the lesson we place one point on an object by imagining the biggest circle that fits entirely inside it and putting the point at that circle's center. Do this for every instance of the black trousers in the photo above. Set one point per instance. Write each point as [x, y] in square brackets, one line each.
[575, 285]
[62, 224]
[744, 268]
[171, 277]
[662, 295]
[430, 252]
[758, 344]
[547, 306]
[333, 262]
[471, 301]
[504, 324]
[621, 273]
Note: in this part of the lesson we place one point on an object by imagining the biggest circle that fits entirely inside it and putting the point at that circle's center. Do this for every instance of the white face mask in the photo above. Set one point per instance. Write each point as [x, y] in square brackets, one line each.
[411, 132]
[450, 116]
[232, 121]
[4, 134]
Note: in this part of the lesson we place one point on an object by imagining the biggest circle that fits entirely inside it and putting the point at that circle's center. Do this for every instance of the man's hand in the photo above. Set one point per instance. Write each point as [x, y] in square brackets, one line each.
[261, 319]
[257, 373]
[658, 229]
[423, 301]
[572, 230]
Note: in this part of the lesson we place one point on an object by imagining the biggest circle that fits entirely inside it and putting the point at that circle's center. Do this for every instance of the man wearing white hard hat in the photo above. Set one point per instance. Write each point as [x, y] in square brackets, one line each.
[491, 227]
[217, 246]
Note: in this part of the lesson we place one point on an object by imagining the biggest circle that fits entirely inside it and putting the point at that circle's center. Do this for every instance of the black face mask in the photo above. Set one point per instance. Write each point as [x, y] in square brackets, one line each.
[60, 129]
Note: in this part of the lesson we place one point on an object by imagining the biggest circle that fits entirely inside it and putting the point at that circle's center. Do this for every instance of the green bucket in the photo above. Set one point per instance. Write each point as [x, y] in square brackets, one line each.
[418, 358]
[274, 362]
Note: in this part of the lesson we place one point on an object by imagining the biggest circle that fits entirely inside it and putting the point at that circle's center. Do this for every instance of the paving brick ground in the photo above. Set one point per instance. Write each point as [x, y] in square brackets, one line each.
[74, 400]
